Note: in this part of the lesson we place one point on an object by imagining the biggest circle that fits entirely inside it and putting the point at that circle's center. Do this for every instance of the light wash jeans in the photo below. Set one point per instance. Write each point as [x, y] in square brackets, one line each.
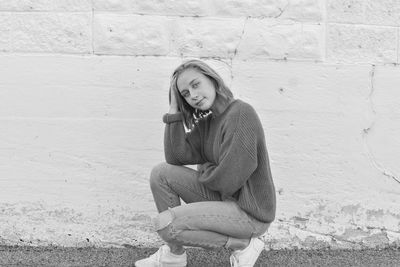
[205, 220]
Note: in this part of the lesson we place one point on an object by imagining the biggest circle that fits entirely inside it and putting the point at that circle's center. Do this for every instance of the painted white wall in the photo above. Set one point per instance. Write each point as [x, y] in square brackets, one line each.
[84, 84]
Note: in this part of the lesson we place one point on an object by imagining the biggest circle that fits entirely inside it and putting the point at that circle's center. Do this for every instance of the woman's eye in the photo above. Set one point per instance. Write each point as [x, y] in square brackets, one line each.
[196, 85]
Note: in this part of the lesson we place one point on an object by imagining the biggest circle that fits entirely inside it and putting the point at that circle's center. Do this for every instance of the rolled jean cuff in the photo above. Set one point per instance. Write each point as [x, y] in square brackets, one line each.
[163, 219]
[228, 242]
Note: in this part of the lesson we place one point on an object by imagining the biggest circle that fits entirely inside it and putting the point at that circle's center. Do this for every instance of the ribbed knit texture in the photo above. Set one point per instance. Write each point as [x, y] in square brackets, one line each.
[232, 152]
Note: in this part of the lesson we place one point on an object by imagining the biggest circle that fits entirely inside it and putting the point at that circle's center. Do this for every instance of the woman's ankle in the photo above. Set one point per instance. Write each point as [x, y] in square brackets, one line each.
[177, 250]
[239, 244]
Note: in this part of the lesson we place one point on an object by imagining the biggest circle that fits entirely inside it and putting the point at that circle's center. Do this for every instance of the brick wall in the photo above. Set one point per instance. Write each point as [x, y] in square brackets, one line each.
[83, 86]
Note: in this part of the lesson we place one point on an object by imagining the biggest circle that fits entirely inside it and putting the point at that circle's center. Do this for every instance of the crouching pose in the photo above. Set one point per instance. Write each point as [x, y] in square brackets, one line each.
[230, 197]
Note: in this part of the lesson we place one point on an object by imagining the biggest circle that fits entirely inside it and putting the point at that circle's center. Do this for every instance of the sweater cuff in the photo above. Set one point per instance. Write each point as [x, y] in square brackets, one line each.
[169, 118]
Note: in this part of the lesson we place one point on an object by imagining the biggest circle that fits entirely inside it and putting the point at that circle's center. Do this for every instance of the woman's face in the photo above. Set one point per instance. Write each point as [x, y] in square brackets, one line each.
[196, 88]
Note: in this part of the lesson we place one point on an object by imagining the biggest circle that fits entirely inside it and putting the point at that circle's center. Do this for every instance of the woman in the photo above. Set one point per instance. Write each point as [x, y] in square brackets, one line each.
[231, 197]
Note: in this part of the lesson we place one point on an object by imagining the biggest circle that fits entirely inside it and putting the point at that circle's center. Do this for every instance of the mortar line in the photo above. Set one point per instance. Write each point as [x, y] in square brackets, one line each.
[44, 11]
[75, 119]
[363, 24]
[325, 19]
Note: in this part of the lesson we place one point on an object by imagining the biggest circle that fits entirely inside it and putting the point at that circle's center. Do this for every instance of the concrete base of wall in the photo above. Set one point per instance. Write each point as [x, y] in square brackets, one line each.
[40, 224]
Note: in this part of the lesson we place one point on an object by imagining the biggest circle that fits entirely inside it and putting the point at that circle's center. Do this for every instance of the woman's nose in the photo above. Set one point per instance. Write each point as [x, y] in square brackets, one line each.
[194, 95]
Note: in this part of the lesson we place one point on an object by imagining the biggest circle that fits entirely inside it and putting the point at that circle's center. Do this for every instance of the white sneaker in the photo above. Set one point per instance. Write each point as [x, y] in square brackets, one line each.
[248, 256]
[163, 258]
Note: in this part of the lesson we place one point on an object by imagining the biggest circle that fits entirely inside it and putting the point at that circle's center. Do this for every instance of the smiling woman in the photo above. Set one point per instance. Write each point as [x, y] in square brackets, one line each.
[231, 197]
[194, 89]
[197, 89]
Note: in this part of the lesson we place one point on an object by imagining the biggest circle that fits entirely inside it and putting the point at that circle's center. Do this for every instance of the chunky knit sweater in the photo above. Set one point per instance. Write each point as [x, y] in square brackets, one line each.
[232, 152]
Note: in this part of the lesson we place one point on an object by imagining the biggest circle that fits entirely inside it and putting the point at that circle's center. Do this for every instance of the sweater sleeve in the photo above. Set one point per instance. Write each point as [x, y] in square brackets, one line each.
[237, 156]
[180, 148]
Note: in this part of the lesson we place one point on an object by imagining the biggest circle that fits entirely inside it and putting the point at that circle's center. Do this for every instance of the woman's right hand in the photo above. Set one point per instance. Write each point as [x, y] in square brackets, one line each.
[173, 105]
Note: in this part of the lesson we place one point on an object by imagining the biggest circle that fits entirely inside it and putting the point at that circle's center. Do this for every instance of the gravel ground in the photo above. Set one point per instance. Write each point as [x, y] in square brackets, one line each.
[59, 256]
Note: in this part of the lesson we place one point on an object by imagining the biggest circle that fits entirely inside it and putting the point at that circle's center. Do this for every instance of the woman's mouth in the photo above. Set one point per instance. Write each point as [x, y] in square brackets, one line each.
[199, 103]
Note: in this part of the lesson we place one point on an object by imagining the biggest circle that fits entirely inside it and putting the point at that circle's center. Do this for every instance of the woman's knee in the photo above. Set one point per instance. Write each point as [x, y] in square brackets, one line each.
[156, 173]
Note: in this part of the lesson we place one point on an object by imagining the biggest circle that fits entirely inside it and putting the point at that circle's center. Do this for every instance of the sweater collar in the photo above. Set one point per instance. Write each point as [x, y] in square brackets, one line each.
[219, 106]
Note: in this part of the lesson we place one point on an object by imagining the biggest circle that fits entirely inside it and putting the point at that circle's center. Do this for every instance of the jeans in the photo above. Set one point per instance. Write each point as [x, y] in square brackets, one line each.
[205, 220]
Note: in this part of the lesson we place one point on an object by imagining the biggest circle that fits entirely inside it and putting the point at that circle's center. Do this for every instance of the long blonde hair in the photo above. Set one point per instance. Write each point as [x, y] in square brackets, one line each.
[190, 114]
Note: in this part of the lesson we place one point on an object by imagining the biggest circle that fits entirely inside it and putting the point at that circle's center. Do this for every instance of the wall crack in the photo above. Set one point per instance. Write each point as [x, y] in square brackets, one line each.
[281, 10]
[367, 130]
[235, 52]
[241, 38]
